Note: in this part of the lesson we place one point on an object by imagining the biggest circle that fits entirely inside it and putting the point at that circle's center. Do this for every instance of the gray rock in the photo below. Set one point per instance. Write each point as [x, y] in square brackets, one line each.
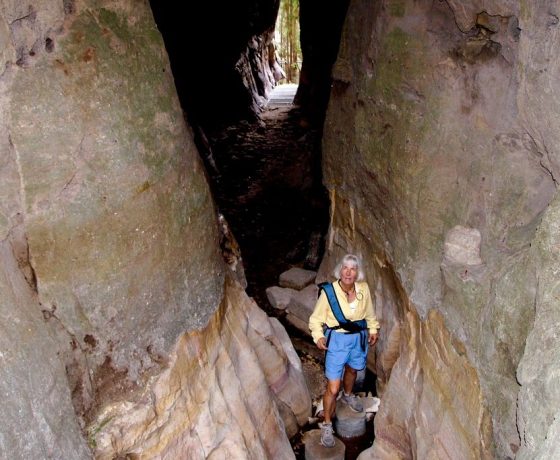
[539, 369]
[303, 302]
[102, 172]
[314, 450]
[298, 323]
[300, 308]
[119, 217]
[280, 297]
[349, 424]
[297, 278]
[470, 171]
[38, 419]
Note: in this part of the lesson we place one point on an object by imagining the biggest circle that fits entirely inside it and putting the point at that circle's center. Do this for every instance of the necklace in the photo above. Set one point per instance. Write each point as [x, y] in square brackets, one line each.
[349, 292]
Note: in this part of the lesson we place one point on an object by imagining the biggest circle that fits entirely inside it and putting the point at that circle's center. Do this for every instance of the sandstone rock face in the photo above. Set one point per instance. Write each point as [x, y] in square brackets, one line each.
[433, 406]
[117, 214]
[109, 254]
[38, 419]
[217, 398]
[446, 116]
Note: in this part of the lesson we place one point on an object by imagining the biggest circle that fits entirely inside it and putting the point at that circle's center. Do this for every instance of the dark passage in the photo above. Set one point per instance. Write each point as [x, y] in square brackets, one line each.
[267, 184]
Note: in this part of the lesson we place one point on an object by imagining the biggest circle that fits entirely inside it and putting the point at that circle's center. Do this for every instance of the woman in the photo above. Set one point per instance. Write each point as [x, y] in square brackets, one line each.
[343, 323]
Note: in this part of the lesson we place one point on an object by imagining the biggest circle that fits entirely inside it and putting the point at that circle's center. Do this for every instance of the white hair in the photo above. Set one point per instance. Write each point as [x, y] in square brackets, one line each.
[349, 260]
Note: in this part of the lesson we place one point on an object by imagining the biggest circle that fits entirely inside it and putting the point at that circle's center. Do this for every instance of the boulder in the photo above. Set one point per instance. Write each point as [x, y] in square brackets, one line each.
[301, 306]
[230, 389]
[298, 323]
[280, 297]
[297, 278]
[303, 302]
[38, 420]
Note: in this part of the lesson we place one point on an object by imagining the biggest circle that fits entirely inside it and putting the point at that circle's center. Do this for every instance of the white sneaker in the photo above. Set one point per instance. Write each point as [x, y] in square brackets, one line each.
[353, 402]
[327, 434]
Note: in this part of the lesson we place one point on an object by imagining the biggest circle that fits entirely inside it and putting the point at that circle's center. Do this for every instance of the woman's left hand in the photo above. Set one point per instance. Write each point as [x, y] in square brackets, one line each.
[372, 339]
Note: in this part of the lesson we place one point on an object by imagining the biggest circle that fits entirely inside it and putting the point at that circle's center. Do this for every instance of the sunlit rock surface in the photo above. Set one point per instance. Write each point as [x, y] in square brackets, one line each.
[217, 398]
[440, 154]
[110, 257]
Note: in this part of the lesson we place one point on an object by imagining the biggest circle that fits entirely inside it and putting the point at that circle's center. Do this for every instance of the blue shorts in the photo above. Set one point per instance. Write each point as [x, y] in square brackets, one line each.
[344, 349]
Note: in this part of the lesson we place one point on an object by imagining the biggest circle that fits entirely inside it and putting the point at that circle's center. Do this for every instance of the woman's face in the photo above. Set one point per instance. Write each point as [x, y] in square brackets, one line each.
[348, 274]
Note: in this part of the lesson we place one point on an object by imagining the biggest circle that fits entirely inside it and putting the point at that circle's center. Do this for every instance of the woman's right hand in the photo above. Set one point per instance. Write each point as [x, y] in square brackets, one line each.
[322, 343]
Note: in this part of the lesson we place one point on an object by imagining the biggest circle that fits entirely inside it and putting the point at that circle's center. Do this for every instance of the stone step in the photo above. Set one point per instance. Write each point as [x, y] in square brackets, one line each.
[314, 450]
[348, 423]
[282, 95]
[371, 403]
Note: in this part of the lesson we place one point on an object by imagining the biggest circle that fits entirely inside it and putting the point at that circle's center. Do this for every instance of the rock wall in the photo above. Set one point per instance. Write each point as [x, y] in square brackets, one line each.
[38, 420]
[440, 157]
[109, 240]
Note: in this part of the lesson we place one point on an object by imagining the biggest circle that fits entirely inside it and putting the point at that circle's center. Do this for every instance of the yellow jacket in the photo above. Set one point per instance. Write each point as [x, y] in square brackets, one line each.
[322, 314]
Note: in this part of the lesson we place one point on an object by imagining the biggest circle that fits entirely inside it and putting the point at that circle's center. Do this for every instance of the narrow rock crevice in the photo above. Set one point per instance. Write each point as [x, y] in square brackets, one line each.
[127, 335]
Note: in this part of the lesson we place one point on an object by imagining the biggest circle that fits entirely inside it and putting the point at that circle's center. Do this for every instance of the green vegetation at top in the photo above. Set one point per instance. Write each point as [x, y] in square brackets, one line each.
[287, 39]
